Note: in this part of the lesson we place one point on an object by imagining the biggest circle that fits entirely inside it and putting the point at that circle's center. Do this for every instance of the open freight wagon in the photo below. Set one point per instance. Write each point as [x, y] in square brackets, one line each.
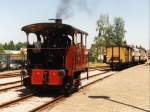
[119, 57]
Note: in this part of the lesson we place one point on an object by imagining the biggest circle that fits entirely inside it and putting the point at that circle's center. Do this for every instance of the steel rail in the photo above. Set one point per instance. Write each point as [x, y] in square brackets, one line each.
[94, 75]
[8, 88]
[62, 97]
[9, 75]
[16, 74]
[9, 83]
[49, 103]
[52, 102]
[6, 104]
[12, 87]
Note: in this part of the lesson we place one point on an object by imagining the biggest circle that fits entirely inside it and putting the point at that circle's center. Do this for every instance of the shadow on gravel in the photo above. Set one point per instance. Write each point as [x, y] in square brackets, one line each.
[41, 93]
[47, 94]
[103, 97]
[23, 92]
[109, 99]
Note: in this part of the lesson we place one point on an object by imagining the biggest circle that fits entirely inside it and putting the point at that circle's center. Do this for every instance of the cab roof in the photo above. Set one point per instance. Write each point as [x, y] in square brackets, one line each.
[46, 28]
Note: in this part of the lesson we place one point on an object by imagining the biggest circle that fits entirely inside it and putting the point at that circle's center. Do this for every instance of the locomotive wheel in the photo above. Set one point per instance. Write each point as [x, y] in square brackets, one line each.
[77, 81]
[67, 87]
[26, 82]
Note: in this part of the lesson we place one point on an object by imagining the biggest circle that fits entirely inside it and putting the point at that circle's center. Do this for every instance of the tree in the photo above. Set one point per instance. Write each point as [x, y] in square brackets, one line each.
[108, 34]
[5, 46]
[119, 31]
[1, 48]
[11, 45]
[20, 45]
[104, 36]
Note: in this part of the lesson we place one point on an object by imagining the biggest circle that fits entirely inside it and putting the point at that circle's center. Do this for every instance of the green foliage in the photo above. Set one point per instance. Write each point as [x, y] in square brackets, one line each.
[108, 34]
[21, 45]
[1, 48]
[119, 31]
[12, 46]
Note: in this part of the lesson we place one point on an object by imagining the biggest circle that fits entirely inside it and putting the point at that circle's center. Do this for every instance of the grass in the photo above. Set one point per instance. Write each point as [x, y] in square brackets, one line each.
[148, 61]
[95, 64]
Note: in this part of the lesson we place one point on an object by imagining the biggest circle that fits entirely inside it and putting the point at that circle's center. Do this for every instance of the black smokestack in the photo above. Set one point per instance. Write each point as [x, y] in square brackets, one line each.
[59, 21]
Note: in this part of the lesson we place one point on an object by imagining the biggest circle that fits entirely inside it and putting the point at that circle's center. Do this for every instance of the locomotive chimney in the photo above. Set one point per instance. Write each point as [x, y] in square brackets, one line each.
[59, 21]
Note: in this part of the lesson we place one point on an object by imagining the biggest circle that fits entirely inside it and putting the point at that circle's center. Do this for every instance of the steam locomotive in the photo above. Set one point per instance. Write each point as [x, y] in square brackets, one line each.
[56, 56]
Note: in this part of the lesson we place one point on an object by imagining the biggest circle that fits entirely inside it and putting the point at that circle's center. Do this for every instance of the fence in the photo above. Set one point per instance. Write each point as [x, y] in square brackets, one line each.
[11, 61]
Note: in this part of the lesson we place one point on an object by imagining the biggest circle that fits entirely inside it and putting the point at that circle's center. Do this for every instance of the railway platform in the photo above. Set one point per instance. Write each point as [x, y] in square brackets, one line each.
[126, 91]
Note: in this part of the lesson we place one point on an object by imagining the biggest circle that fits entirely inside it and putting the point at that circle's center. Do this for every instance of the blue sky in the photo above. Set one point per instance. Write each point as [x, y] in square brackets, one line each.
[17, 13]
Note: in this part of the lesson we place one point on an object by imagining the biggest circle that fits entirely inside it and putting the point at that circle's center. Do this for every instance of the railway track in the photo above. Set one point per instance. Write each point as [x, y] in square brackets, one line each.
[93, 75]
[8, 88]
[16, 100]
[17, 74]
[8, 75]
[62, 97]
[9, 85]
[56, 99]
